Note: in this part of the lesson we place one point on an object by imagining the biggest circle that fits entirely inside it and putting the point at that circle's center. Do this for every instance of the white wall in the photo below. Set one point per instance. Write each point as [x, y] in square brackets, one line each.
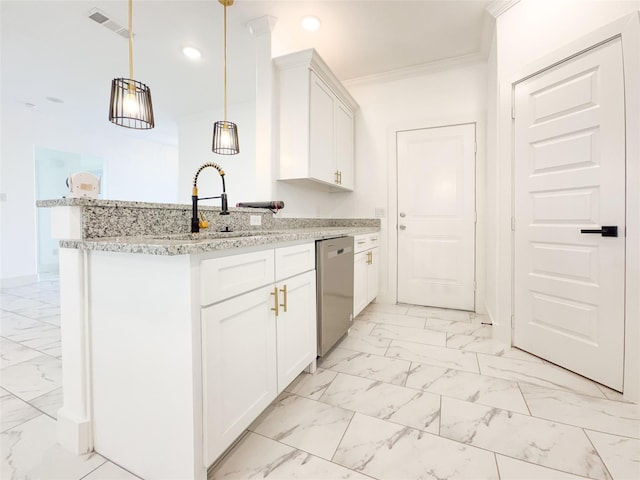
[195, 135]
[492, 248]
[432, 98]
[528, 31]
[136, 169]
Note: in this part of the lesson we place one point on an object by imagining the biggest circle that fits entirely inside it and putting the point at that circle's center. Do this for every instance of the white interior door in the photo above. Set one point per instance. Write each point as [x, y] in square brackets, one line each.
[436, 216]
[570, 176]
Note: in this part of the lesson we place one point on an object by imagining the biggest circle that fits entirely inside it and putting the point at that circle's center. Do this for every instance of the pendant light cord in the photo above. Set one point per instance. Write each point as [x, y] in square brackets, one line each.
[225, 62]
[131, 86]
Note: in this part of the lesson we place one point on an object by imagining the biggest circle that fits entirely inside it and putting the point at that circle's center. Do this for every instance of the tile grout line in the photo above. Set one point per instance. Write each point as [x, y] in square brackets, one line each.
[585, 430]
[521, 459]
[99, 466]
[495, 459]
[524, 398]
[546, 466]
[40, 352]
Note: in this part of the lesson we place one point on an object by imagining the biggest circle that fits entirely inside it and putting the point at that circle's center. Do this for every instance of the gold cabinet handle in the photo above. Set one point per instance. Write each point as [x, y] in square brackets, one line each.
[284, 297]
[275, 294]
[368, 258]
[337, 179]
[340, 177]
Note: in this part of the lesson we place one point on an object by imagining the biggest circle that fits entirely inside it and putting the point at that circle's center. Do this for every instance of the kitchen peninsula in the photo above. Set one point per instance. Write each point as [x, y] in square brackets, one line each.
[174, 342]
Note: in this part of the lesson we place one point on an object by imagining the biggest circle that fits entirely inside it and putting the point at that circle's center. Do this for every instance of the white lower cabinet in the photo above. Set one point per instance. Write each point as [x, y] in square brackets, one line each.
[296, 334]
[239, 360]
[366, 271]
[373, 275]
[360, 282]
[256, 343]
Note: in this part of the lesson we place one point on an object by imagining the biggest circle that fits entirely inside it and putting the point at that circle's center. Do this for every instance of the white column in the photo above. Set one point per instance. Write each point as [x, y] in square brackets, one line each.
[74, 418]
[261, 29]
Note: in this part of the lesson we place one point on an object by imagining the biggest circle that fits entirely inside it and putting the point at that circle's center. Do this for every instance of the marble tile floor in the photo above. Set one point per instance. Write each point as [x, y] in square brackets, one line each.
[31, 391]
[424, 393]
[410, 393]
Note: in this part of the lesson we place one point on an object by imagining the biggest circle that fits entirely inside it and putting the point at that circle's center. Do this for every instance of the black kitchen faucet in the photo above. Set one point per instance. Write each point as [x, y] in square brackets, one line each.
[195, 222]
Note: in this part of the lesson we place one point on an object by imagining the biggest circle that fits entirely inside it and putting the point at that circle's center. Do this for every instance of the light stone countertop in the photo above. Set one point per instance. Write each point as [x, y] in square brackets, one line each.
[204, 242]
[161, 228]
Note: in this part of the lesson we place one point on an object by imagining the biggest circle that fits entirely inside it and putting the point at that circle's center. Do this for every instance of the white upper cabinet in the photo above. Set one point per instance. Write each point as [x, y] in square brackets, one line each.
[316, 123]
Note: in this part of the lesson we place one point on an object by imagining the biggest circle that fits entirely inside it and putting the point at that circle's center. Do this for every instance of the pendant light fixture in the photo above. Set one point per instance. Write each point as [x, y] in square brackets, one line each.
[130, 105]
[225, 134]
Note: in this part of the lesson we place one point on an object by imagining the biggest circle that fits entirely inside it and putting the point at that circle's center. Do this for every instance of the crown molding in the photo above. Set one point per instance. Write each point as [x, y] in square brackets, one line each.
[498, 7]
[417, 70]
[262, 25]
[311, 59]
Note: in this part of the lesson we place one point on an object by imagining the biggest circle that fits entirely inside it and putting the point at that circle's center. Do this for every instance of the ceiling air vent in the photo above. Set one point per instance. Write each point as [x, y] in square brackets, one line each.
[103, 19]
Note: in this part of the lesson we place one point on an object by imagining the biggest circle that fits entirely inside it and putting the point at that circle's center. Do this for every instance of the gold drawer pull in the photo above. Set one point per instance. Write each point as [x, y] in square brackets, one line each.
[284, 292]
[275, 294]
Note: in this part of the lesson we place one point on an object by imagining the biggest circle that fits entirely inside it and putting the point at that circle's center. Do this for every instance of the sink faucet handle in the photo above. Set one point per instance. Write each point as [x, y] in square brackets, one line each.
[203, 223]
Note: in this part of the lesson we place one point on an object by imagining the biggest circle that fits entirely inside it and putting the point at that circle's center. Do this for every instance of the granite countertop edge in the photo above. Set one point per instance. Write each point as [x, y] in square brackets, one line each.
[97, 202]
[166, 245]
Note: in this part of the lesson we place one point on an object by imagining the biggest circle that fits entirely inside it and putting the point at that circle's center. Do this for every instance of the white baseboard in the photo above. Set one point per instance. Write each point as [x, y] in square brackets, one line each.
[74, 434]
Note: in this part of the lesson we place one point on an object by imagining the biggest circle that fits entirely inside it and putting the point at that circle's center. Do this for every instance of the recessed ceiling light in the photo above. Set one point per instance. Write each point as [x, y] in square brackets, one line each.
[55, 100]
[310, 23]
[192, 53]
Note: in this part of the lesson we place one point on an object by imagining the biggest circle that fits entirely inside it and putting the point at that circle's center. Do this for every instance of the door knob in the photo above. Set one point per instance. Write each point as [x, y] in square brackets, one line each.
[402, 214]
[605, 231]
[403, 227]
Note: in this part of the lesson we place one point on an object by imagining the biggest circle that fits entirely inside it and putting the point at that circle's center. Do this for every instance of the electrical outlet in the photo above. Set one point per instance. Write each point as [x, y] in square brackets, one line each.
[379, 212]
[255, 220]
[3, 197]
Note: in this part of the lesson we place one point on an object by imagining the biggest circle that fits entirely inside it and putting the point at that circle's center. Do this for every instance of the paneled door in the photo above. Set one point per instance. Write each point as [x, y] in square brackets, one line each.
[569, 175]
[436, 216]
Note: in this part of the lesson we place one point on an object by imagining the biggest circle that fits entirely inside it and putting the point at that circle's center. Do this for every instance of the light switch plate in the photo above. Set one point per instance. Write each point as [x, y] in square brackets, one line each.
[379, 212]
[255, 220]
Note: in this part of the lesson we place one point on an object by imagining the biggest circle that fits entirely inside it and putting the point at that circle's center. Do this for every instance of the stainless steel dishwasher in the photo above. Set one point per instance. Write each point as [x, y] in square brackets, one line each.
[334, 282]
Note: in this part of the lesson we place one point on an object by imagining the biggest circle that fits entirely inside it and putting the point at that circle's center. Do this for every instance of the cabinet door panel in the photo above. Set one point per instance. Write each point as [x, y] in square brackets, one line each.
[372, 275]
[321, 131]
[360, 279]
[344, 145]
[296, 328]
[239, 366]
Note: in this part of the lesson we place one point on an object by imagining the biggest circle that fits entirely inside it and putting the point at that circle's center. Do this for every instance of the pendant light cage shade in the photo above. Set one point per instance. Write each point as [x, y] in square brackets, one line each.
[225, 133]
[225, 138]
[130, 105]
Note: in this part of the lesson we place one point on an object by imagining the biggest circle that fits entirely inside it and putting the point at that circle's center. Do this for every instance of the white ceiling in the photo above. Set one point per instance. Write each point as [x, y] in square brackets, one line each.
[52, 49]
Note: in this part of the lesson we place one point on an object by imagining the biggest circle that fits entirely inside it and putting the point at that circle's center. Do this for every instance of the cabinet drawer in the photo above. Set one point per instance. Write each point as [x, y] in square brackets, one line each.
[366, 241]
[360, 243]
[296, 259]
[373, 240]
[226, 277]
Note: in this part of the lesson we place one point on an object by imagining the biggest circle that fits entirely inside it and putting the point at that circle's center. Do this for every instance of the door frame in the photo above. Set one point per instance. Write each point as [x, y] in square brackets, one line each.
[627, 29]
[477, 119]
